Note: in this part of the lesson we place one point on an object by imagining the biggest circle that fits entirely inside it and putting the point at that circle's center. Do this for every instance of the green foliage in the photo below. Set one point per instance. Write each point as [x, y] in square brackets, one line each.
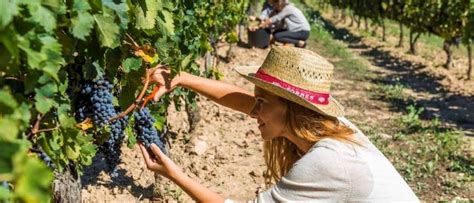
[424, 150]
[48, 47]
[391, 91]
[411, 121]
[446, 18]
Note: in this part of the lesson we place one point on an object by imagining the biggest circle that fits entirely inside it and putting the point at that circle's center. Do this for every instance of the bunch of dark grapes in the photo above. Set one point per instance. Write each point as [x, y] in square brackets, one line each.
[83, 102]
[146, 131]
[5, 185]
[101, 100]
[96, 103]
[111, 147]
[46, 159]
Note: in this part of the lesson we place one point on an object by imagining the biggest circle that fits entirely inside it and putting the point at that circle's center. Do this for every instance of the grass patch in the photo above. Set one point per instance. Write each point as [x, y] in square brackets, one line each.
[425, 153]
[389, 91]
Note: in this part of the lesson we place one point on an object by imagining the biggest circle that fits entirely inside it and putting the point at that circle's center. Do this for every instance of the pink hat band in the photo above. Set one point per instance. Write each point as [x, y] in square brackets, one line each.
[311, 96]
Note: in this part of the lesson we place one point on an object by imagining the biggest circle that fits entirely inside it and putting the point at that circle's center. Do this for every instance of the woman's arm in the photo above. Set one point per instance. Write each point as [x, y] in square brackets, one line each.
[220, 92]
[164, 166]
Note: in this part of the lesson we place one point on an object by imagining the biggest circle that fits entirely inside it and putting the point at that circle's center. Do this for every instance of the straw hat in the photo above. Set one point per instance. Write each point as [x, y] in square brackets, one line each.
[296, 74]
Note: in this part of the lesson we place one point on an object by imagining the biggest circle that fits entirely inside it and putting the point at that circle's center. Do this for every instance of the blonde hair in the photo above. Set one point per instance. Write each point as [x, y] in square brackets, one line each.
[280, 154]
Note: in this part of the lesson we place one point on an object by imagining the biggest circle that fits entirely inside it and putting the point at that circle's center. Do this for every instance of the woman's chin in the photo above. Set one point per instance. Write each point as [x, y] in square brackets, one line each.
[266, 136]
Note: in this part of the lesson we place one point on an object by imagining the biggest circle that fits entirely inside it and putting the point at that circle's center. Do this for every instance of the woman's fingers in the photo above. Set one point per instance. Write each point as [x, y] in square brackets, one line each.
[149, 163]
[161, 91]
[157, 151]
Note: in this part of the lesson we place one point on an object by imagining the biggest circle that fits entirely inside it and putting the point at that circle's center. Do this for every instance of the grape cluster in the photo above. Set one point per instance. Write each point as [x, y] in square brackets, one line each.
[5, 185]
[95, 102]
[146, 131]
[46, 159]
[100, 94]
[111, 147]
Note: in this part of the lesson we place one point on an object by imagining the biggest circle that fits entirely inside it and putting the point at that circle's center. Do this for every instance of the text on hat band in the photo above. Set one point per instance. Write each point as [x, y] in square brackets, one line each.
[313, 97]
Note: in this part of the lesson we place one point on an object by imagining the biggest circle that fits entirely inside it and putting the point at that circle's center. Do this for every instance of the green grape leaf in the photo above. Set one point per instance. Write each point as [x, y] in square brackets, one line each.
[28, 186]
[5, 193]
[8, 39]
[56, 5]
[82, 25]
[146, 15]
[44, 97]
[55, 141]
[127, 96]
[48, 59]
[10, 128]
[132, 139]
[92, 71]
[34, 58]
[72, 152]
[160, 122]
[8, 10]
[63, 116]
[167, 22]
[186, 61]
[52, 49]
[9, 149]
[42, 16]
[22, 113]
[120, 9]
[107, 30]
[131, 64]
[81, 6]
[7, 101]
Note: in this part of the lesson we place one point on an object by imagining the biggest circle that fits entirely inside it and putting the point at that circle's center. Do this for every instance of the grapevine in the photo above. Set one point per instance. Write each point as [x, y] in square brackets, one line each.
[450, 20]
[71, 77]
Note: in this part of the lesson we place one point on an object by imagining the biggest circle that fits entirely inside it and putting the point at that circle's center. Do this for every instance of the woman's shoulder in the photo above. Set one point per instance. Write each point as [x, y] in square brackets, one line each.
[326, 156]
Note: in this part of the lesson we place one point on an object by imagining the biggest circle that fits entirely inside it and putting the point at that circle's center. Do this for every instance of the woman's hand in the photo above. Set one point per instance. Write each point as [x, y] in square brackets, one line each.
[265, 23]
[160, 163]
[162, 77]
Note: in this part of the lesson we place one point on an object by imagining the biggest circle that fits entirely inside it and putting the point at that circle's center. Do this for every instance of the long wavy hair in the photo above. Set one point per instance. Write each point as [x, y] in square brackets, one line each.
[280, 154]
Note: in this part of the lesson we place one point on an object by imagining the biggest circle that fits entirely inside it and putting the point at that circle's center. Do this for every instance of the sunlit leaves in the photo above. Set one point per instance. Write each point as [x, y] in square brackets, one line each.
[107, 30]
[44, 97]
[47, 46]
[131, 64]
[121, 10]
[42, 15]
[82, 25]
[8, 10]
[146, 14]
[23, 170]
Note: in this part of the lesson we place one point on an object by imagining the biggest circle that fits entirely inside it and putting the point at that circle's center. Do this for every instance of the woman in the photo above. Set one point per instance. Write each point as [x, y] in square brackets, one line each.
[312, 152]
[297, 26]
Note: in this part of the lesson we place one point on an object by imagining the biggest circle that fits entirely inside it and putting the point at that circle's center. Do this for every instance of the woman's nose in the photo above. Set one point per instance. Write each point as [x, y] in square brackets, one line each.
[254, 112]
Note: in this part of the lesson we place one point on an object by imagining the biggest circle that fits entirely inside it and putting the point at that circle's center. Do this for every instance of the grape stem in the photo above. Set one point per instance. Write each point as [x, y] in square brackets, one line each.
[35, 130]
[35, 126]
[139, 98]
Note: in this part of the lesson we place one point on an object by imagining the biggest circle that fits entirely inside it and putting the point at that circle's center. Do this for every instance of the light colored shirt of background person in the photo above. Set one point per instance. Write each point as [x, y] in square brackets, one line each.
[292, 17]
[267, 10]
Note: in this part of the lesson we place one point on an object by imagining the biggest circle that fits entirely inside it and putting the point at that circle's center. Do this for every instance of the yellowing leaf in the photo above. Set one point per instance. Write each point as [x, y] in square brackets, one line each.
[147, 53]
[86, 124]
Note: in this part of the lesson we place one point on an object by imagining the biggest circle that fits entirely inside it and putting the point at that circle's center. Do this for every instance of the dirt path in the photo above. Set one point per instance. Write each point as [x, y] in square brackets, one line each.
[442, 93]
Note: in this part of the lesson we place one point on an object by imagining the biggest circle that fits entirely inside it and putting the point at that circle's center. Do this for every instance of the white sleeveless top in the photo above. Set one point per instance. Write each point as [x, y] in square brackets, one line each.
[334, 171]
